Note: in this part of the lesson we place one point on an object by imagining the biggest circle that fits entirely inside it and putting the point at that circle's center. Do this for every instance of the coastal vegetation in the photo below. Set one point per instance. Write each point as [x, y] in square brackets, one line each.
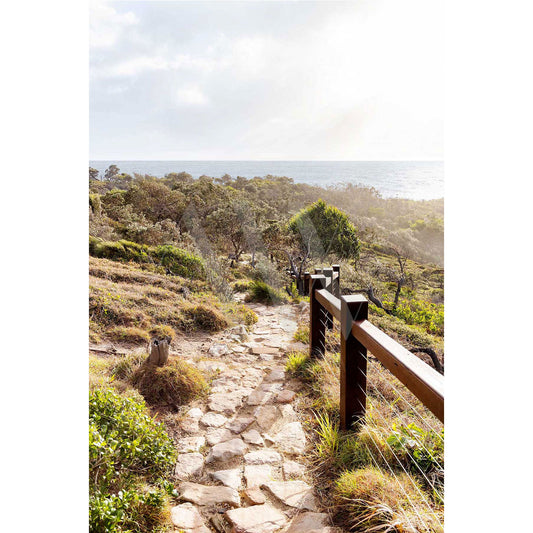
[167, 258]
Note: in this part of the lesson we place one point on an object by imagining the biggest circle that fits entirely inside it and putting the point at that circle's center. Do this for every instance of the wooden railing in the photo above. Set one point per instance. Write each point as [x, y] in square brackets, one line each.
[357, 335]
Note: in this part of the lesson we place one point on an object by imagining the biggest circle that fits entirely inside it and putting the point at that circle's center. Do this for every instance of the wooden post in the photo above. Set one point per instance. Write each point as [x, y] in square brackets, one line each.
[328, 272]
[318, 271]
[307, 279]
[353, 362]
[337, 282]
[159, 351]
[317, 326]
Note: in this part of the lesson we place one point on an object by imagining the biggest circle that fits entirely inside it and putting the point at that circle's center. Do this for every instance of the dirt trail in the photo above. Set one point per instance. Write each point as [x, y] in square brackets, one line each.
[241, 465]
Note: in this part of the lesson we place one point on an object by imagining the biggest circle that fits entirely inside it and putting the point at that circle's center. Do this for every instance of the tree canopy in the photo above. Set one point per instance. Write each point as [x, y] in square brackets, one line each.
[324, 230]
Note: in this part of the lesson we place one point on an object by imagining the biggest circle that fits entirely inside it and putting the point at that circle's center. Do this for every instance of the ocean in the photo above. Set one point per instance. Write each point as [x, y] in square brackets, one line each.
[417, 180]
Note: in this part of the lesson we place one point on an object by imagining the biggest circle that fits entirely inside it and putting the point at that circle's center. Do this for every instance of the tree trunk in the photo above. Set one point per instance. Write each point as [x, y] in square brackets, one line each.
[159, 351]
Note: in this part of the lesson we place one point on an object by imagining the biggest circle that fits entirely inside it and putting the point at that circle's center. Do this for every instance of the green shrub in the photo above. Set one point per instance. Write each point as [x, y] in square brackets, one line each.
[243, 314]
[297, 363]
[176, 260]
[173, 385]
[129, 455]
[241, 286]
[302, 333]
[261, 292]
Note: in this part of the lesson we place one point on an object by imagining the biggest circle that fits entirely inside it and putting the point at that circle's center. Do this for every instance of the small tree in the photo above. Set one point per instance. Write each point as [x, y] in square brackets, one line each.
[324, 230]
[111, 172]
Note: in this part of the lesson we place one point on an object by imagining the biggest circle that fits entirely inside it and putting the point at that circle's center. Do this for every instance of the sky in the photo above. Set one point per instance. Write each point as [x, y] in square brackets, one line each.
[360, 80]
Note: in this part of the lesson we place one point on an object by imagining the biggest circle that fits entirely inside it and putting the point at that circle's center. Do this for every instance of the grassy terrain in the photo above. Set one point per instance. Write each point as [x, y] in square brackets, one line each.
[386, 474]
[128, 302]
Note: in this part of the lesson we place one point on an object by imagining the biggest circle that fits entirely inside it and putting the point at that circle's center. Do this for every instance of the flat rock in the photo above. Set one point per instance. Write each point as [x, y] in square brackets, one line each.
[216, 350]
[209, 495]
[211, 366]
[307, 522]
[261, 350]
[254, 496]
[293, 469]
[231, 478]
[256, 519]
[190, 444]
[262, 457]
[187, 518]
[277, 374]
[266, 416]
[256, 475]
[189, 465]
[226, 450]
[253, 437]
[293, 493]
[240, 424]
[285, 396]
[258, 397]
[195, 412]
[291, 438]
[226, 403]
[217, 435]
[212, 419]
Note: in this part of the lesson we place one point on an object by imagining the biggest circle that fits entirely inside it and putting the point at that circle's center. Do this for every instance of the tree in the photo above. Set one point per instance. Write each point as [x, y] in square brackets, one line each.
[111, 172]
[324, 230]
[93, 173]
[155, 200]
[235, 227]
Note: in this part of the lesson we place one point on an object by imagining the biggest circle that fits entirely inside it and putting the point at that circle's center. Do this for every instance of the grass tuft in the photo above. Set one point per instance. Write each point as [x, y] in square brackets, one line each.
[129, 335]
[175, 384]
[259, 291]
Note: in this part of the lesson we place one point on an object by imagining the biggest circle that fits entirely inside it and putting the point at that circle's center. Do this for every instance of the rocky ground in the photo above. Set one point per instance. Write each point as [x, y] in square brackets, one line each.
[241, 465]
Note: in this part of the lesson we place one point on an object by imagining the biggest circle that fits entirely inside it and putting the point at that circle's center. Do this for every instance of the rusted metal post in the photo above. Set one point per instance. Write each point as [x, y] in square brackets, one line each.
[307, 279]
[328, 272]
[337, 282]
[353, 362]
[317, 325]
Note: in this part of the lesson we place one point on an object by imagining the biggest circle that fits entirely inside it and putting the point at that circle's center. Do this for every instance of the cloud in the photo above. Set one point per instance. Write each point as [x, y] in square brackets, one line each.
[191, 96]
[106, 25]
[296, 80]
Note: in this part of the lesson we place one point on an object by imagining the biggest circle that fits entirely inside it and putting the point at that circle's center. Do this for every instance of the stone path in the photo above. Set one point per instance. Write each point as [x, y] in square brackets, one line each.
[240, 467]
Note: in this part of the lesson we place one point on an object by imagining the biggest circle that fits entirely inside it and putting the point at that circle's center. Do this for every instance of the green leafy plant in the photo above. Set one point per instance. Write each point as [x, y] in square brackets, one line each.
[129, 455]
[259, 291]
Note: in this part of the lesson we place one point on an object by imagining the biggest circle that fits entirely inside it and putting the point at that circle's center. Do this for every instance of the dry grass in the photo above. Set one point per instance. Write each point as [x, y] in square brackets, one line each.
[175, 384]
[373, 500]
[337, 454]
[123, 297]
[129, 335]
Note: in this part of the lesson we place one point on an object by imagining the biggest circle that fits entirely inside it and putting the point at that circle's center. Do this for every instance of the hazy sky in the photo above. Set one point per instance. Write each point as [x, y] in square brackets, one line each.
[359, 80]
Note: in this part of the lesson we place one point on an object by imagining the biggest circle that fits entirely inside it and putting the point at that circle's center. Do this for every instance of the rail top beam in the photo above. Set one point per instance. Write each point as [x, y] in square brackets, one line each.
[421, 379]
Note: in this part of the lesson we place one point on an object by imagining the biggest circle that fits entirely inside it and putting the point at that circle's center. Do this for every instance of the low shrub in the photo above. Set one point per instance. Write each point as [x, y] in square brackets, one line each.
[297, 363]
[128, 365]
[243, 314]
[372, 500]
[259, 291]
[162, 330]
[241, 286]
[177, 261]
[302, 333]
[132, 334]
[130, 454]
[173, 385]
[204, 317]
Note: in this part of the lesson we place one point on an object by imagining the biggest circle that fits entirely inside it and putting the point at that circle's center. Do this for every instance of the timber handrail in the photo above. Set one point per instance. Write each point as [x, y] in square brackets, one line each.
[357, 336]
